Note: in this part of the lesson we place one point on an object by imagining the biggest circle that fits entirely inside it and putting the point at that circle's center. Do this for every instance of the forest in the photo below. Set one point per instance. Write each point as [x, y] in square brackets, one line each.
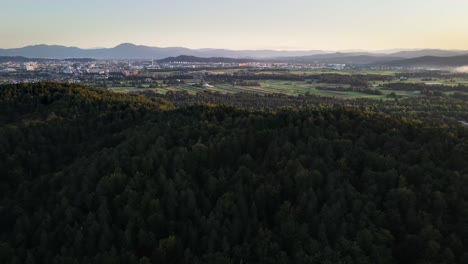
[93, 176]
[423, 87]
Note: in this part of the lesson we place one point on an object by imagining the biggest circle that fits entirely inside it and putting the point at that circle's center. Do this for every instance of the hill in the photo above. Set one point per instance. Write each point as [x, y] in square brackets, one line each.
[429, 52]
[132, 51]
[90, 176]
[20, 59]
[431, 61]
[185, 58]
[342, 58]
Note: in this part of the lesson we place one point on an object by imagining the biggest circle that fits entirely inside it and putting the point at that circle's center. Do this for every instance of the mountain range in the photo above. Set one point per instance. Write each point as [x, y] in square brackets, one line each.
[428, 58]
[431, 61]
[132, 51]
[341, 58]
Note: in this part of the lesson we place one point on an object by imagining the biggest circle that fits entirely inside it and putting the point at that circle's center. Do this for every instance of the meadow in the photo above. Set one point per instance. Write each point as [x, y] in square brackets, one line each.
[288, 87]
[269, 87]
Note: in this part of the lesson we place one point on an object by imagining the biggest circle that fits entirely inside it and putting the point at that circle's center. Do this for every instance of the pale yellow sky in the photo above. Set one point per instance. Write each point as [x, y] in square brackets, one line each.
[241, 24]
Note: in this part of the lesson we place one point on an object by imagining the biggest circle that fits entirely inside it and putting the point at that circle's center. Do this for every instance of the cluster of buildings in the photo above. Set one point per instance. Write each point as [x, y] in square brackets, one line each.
[259, 65]
[72, 70]
[19, 70]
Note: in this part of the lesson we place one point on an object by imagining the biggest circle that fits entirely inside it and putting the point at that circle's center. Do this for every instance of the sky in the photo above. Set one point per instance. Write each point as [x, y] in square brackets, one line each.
[237, 24]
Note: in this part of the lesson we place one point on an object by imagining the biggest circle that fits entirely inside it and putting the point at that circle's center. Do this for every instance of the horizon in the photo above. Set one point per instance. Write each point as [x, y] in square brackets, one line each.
[389, 50]
[295, 25]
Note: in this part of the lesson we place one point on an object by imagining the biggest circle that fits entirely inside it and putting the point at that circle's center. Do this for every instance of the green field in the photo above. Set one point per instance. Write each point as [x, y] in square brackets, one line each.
[270, 87]
[283, 86]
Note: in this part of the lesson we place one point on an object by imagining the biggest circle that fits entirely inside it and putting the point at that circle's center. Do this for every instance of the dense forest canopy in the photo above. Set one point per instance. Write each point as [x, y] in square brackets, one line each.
[434, 111]
[91, 176]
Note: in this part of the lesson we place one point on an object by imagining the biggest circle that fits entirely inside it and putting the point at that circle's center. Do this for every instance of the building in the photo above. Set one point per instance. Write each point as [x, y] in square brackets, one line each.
[30, 66]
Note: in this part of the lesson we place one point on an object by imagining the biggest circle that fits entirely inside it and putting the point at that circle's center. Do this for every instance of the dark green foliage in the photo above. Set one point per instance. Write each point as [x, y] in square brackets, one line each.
[95, 177]
[352, 89]
[424, 87]
[353, 80]
[431, 110]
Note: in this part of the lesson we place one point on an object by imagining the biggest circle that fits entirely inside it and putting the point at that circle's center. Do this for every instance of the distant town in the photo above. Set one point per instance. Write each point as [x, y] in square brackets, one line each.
[87, 70]
[100, 66]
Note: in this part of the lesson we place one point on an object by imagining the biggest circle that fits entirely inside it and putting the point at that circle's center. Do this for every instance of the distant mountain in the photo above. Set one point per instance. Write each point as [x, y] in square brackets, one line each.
[342, 58]
[338, 58]
[391, 51]
[360, 59]
[330, 55]
[185, 58]
[122, 51]
[256, 53]
[431, 61]
[131, 51]
[428, 52]
[20, 59]
[44, 51]
[397, 59]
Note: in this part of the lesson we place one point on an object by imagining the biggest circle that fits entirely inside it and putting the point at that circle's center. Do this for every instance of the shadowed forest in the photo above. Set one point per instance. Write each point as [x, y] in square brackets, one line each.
[91, 176]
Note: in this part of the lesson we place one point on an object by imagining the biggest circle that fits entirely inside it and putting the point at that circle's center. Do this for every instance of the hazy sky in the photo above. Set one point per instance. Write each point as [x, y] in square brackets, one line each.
[237, 24]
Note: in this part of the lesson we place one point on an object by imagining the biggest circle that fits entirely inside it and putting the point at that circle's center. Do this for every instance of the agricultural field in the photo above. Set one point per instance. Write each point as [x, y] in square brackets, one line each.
[274, 85]
[453, 81]
[270, 87]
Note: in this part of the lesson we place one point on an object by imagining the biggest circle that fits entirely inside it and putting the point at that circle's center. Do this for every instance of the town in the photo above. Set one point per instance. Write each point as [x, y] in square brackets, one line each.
[89, 71]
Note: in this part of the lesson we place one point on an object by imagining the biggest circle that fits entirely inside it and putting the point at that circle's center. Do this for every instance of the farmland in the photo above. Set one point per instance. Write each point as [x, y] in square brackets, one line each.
[291, 83]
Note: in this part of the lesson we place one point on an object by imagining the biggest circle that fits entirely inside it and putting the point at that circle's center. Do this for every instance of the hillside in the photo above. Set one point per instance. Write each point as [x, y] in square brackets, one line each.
[192, 59]
[429, 52]
[342, 58]
[90, 176]
[19, 59]
[132, 51]
[431, 61]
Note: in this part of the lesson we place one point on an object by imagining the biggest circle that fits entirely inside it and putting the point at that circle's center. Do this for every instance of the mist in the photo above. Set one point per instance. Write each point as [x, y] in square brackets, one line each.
[462, 69]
